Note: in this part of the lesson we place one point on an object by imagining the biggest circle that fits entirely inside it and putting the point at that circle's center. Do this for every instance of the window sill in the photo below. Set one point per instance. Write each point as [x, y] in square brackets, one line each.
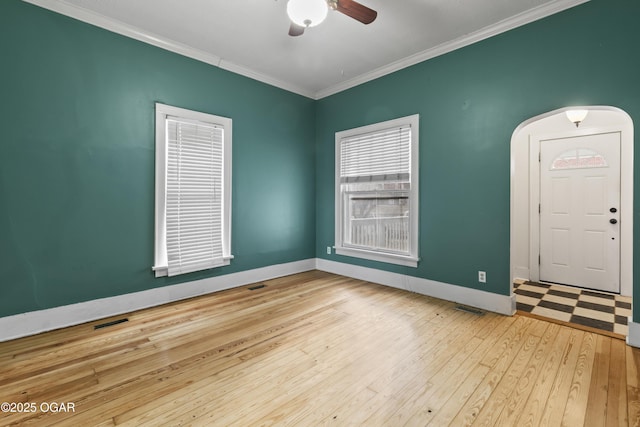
[408, 261]
[161, 271]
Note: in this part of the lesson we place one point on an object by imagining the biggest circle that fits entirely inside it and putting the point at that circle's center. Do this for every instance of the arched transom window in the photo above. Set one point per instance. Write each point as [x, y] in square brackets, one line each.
[580, 158]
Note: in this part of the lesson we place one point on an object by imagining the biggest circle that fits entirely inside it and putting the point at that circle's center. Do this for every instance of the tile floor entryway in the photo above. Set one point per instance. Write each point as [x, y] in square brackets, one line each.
[581, 307]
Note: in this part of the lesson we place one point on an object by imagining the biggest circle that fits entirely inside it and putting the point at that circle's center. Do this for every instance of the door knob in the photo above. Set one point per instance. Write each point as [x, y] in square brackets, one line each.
[613, 221]
[613, 210]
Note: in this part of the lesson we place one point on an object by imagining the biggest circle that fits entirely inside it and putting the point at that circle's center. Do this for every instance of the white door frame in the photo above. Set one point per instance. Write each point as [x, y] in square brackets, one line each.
[525, 177]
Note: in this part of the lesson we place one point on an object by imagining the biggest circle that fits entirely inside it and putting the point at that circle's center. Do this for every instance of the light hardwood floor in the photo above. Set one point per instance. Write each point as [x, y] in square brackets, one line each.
[320, 349]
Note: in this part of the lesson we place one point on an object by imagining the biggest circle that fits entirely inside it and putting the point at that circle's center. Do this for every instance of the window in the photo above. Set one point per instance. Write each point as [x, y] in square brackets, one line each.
[377, 192]
[193, 191]
[580, 158]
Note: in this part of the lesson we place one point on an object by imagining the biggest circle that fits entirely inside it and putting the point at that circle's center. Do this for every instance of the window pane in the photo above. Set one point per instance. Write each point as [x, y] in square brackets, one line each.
[378, 220]
[580, 158]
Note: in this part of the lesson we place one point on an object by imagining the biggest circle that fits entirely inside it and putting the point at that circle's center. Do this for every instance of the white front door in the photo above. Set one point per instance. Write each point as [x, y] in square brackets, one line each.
[580, 211]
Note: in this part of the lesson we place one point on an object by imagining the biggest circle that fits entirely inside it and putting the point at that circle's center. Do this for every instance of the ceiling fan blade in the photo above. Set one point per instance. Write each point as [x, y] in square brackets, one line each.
[356, 11]
[296, 30]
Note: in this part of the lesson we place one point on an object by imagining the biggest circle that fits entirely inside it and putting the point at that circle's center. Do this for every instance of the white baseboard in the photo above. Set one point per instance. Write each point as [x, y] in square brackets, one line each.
[502, 304]
[633, 337]
[31, 323]
[35, 322]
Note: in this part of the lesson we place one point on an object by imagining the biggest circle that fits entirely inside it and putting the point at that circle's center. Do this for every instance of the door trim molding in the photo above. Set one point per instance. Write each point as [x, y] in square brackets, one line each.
[523, 262]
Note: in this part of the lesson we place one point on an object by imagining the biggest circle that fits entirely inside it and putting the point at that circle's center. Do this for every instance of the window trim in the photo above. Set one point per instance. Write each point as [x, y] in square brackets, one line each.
[340, 249]
[162, 112]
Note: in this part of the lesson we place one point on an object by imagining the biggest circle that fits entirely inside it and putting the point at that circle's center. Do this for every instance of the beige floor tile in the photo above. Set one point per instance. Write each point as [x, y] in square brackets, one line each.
[624, 299]
[593, 314]
[553, 314]
[560, 300]
[596, 300]
[532, 288]
[621, 329]
[527, 300]
[566, 289]
[623, 311]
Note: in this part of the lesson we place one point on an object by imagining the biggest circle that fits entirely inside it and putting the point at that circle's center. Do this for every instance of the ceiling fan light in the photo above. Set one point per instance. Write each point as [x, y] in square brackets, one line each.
[307, 13]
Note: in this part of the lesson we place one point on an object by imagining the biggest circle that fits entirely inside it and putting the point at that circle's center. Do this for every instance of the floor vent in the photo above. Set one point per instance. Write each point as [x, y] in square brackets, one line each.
[470, 310]
[107, 324]
[253, 288]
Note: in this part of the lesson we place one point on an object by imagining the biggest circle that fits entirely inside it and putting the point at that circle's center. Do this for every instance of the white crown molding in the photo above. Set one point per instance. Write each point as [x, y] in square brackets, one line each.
[247, 72]
[118, 27]
[469, 39]
[110, 24]
[81, 14]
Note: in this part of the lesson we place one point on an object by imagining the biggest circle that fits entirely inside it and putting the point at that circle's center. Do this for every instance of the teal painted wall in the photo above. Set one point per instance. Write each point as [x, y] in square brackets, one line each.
[77, 148]
[77, 160]
[470, 101]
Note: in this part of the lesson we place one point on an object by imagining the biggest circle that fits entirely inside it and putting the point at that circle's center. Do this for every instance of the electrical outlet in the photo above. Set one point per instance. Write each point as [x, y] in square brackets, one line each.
[482, 276]
[328, 250]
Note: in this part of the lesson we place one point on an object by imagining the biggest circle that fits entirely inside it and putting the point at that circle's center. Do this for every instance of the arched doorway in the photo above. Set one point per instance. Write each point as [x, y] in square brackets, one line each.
[529, 249]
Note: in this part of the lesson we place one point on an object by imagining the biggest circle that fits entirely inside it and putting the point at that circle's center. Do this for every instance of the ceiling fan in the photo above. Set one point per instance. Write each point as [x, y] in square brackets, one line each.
[309, 13]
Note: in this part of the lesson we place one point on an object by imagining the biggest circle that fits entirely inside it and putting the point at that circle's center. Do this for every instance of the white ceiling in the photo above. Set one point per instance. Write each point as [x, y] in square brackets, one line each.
[250, 37]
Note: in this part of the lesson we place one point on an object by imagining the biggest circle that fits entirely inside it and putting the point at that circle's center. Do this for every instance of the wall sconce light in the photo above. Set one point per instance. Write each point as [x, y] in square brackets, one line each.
[577, 116]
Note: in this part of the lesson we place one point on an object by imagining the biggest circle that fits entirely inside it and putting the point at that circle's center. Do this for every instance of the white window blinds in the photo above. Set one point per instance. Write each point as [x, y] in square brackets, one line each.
[376, 156]
[194, 196]
[193, 191]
